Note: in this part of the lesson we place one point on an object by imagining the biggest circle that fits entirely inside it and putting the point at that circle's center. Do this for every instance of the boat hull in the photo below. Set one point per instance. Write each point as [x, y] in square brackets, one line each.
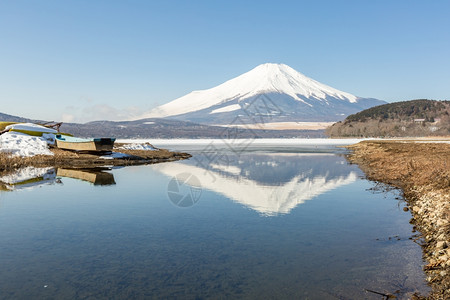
[29, 129]
[30, 132]
[97, 145]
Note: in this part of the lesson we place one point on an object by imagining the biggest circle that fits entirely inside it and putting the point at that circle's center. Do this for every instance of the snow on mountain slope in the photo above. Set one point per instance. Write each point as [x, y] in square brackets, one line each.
[284, 86]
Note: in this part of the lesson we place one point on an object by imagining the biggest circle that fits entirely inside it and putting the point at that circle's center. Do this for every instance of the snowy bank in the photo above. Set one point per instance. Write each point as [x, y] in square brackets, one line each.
[20, 144]
[137, 146]
[115, 155]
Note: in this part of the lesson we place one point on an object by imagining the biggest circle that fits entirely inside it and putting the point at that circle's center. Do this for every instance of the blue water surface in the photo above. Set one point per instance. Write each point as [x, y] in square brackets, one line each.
[259, 225]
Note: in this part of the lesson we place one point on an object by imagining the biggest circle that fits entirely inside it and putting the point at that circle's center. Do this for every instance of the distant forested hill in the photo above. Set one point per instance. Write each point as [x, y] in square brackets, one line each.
[400, 119]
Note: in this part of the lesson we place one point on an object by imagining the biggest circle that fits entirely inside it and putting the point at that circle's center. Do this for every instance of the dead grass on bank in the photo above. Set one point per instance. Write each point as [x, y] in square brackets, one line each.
[64, 158]
[405, 164]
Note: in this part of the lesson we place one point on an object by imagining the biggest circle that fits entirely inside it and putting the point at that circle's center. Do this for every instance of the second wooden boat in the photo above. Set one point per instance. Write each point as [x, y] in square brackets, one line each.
[79, 144]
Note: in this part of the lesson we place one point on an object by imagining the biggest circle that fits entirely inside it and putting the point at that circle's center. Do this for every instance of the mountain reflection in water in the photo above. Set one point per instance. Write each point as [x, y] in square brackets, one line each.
[270, 184]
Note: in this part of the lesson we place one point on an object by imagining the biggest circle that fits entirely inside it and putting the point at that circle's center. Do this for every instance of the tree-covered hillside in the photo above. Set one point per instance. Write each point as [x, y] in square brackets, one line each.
[408, 118]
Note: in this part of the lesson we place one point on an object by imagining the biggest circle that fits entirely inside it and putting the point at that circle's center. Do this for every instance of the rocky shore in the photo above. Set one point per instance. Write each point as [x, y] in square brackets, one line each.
[421, 169]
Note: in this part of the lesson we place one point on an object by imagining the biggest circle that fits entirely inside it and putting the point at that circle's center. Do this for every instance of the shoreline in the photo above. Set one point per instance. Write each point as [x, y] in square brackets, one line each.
[422, 171]
[71, 159]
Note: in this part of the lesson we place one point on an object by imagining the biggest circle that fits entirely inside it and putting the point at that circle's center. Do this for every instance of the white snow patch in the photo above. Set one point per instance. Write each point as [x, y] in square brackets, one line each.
[49, 138]
[138, 146]
[20, 144]
[228, 108]
[114, 155]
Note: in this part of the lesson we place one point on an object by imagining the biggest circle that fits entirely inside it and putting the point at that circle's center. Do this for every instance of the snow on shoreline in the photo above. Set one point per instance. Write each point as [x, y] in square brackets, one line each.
[114, 155]
[137, 146]
[19, 144]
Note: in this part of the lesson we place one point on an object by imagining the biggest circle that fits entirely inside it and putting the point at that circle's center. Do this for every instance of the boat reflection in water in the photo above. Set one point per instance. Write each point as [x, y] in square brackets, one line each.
[270, 184]
[96, 176]
[32, 177]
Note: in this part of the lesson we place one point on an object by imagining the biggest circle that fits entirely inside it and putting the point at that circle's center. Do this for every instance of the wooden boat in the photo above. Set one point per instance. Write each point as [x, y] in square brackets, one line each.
[79, 144]
[94, 176]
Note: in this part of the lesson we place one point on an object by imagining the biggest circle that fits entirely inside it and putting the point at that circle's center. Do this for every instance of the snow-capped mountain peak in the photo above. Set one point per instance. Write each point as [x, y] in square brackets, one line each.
[281, 78]
[282, 83]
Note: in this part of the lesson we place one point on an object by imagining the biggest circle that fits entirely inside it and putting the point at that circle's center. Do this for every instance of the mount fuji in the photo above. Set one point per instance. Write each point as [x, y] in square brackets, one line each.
[268, 93]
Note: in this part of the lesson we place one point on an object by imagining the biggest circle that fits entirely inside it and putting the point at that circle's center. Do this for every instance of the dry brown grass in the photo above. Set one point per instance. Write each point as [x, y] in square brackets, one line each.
[63, 158]
[422, 171]
[405, 164]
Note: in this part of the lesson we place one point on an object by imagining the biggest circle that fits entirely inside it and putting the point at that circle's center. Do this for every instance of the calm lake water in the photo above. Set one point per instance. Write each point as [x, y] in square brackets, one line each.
[251, 222]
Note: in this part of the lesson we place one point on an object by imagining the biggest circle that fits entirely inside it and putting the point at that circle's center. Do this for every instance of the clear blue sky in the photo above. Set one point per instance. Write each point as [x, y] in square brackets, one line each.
[84, 60]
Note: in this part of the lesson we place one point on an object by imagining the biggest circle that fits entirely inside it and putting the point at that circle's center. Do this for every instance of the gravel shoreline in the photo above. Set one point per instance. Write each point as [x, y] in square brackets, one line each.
[422, 172]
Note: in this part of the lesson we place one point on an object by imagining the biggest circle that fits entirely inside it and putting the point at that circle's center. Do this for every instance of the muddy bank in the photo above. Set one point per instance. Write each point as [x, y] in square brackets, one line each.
[422, 171]
[70, 159]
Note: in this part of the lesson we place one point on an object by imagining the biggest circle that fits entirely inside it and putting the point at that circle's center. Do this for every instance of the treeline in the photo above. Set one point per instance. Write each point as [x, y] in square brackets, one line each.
[400, 119]
[406, 110]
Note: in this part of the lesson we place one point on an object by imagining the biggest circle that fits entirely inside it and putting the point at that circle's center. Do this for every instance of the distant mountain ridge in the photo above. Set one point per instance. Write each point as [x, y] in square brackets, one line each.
[10, 118]
[165, 128]
[420, 117]
[269, 92]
